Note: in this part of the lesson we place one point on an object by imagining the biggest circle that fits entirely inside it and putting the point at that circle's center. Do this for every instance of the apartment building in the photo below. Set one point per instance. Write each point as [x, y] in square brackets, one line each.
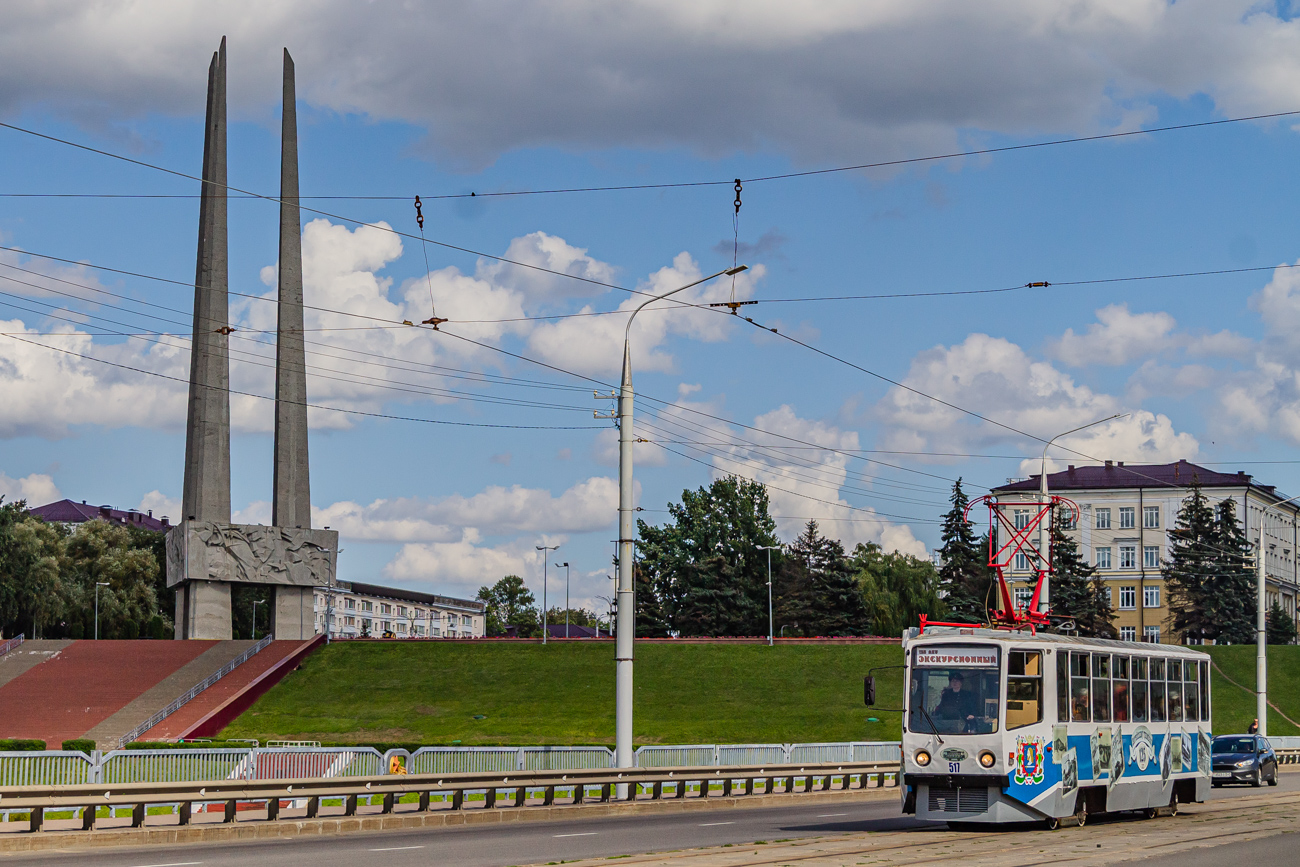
[351, 609]
[1126, 513]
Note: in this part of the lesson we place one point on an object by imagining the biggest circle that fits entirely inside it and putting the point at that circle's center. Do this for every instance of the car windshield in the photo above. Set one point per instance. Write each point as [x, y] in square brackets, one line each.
[1234, 745]
[958, 700]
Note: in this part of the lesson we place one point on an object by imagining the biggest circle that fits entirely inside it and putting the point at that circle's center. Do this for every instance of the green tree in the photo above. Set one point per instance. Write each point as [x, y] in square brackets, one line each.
[1076, 590]
[1192, 565]
[896, 589]
[510, 603]
[965, 579]
[30, 585]
[1279, 628]
[704, 572]
[1232, 587]
[98, 551]
[816, 590]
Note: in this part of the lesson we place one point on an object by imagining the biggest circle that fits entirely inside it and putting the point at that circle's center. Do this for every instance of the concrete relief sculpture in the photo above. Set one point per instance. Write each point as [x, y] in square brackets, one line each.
[250, 553]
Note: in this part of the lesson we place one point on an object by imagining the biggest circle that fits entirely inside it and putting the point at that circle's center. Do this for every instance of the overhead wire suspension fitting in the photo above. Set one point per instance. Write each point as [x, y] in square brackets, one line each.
[433, 319]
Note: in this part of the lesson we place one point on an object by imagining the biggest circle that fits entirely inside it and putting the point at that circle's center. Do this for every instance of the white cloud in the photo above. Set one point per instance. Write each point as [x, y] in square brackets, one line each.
[586, 506]
[826, 81]
[38, 489]
[1120, 337]
[159, 504]
[1141, 437]
[460, 567]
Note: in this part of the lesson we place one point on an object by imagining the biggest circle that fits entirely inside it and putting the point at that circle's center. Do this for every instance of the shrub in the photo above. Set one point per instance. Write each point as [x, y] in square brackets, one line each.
[83, 745]
[20, 745]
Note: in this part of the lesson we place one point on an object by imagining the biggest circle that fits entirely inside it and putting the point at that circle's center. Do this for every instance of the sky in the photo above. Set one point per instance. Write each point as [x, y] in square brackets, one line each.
[444, 459]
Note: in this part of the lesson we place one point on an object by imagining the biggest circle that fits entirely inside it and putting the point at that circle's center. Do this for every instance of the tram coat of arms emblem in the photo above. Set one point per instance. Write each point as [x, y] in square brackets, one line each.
[1030, 761]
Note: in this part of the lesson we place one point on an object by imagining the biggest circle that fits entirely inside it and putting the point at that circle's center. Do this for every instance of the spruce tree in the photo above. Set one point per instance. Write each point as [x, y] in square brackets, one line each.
[1077, 591]
[1279, 628]
[1191, 567]
[818, 589]
[1230, 594]
[964, 576]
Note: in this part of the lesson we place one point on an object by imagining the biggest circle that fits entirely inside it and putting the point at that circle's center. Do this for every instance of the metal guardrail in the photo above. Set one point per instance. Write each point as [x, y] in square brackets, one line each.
[721, 755]
[10, 644]
[176, 705]
[47, 768]
[456, 791]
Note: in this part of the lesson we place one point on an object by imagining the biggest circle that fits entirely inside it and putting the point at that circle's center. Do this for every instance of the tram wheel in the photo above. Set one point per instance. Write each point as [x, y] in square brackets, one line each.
[1052, 823]
[1173, 803]
[1081, 817]
[1150, 813]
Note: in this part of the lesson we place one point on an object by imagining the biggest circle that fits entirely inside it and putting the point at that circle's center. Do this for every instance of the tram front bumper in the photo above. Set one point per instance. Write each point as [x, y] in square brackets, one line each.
[967, 798]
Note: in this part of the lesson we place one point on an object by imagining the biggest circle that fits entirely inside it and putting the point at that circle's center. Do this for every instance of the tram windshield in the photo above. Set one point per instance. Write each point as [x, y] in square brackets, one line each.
[954, 691]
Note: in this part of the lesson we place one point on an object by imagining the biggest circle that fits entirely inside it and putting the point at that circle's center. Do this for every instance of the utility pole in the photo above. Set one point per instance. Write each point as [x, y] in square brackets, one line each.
[1261, 638]
[769, 549]
[98, 584]
[623, 643]
[544, 549]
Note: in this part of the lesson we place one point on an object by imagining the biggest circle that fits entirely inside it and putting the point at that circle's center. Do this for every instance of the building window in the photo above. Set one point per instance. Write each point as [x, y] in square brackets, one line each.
[349, 621]
[1128, 633]
[1150, 597]
[1102, 517]
[401, 627]
[1126, 517]
[1151, 634]
[1022, 562]
[1069, 520]
[1128, 598]
[466, 622]
[419, 630]
[1103, 558]
[1110, 597]
[1128, 555]
[401, 611]
[1024, 595]
[367, 605]
[1021, 518]
[1151, 517]
[1151, 556]
[384, 608]
[351, 603]
[435, 616]
[436, 632]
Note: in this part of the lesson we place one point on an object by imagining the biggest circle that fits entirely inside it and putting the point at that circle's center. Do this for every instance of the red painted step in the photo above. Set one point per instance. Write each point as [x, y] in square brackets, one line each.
[85, 684]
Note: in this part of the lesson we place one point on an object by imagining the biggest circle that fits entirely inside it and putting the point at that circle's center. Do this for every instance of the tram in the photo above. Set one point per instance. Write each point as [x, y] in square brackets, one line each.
[1005, 722]
[1004, 726]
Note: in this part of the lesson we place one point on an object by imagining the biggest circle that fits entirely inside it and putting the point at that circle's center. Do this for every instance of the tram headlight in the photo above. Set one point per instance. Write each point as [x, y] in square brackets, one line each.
[922, 758]
[987, 759]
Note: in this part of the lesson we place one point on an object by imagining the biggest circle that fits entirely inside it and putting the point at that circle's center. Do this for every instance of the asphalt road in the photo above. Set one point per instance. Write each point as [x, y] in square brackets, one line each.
[543, 842]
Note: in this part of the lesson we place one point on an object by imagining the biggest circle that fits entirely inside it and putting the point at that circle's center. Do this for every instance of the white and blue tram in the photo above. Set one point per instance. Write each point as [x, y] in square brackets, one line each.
[1006, 726]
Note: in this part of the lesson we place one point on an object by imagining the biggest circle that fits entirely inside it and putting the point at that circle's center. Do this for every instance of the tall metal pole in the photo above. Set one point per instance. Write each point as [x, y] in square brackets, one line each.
[1261, 639]
[566, 597]
[98, 584]
[623, 642]
[255, 604]
[544, 549]
[1045, 528]
[769, 549]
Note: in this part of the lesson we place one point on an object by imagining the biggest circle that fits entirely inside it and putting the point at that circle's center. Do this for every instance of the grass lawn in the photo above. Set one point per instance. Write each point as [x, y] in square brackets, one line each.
[431, 692]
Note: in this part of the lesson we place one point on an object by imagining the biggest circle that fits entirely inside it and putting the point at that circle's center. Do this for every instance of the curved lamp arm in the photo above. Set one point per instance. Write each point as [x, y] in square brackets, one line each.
[728, 272]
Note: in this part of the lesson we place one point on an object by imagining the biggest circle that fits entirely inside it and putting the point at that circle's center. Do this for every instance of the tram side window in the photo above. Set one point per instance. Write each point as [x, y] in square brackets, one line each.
[1205, 691]
[1139, 689]
[1120, 688]
[1063, 686]
[1101, 687]
[1157, 691]
[1024, 688]
[1080, 701]
[1191, 693]
[1174, 669]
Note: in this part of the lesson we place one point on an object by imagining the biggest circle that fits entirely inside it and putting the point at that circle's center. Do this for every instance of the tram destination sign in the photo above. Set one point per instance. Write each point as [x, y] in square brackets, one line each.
[946, 657]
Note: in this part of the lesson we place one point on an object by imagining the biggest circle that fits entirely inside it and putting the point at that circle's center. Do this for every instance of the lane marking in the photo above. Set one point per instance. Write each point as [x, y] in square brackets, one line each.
[396, 848]
[711, 824]
[583, 834]
[174, 864]
[828, 815]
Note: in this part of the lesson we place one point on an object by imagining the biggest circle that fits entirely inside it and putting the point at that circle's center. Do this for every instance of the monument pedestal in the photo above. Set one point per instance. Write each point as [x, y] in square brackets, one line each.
[205, 557]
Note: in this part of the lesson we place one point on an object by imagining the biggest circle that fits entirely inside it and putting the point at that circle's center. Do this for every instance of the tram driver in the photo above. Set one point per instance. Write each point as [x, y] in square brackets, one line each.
[956, 704]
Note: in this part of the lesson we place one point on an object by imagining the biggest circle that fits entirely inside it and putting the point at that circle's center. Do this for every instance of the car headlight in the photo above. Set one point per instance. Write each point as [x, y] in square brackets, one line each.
[987, 759]
[922, 758]
[1244, 763]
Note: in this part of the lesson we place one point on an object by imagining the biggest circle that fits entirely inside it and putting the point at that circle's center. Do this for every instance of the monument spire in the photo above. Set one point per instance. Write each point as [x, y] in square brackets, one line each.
[291, 498]
[206, 493]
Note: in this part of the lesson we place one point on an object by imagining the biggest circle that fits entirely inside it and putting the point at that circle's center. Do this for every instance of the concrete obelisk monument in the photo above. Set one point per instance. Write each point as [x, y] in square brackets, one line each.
[205, 552]
[203, 607]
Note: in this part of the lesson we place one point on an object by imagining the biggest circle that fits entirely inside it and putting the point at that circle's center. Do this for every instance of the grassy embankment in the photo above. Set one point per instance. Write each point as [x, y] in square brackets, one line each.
[431, 693]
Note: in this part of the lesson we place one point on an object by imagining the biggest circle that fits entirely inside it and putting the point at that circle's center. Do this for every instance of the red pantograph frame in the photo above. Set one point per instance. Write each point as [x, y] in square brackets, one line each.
[1010, 617]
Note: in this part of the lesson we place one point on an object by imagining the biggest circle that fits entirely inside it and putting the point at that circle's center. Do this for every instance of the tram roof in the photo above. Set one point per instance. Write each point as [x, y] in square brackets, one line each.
[1002, 636]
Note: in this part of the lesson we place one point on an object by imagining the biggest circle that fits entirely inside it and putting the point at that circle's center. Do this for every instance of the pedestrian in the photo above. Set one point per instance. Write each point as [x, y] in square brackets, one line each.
[1254, 727]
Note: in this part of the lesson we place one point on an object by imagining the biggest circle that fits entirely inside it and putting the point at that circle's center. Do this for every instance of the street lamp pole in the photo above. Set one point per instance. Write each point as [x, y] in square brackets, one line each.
[544, 549]
[256, 602]
[1044, 528]
[566, 596]
[769, 549]
[626, 512]
[98, 584]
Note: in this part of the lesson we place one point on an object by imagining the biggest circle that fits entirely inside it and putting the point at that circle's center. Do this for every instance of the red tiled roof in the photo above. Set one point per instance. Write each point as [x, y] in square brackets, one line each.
[68, 512]
[1179, 474]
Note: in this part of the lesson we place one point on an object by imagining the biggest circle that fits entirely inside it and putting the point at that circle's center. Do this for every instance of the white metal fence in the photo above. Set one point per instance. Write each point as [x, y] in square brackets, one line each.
[199, 765]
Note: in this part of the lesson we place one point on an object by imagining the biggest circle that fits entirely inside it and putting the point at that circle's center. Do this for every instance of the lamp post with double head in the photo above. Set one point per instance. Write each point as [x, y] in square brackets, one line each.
[769, 549]
[544, 549]
[626, 512]
[566, 596]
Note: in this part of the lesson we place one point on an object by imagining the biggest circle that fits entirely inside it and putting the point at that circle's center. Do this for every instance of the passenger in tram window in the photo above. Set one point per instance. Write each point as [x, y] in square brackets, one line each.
[955, 704]
[1081, 706]
[1121, 701]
